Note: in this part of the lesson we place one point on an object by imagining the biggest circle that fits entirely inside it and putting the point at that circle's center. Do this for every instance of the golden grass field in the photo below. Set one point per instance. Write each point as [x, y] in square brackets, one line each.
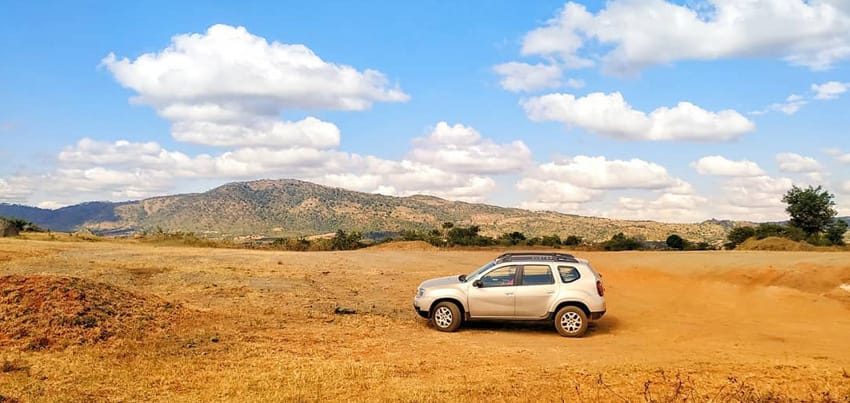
[259, 326]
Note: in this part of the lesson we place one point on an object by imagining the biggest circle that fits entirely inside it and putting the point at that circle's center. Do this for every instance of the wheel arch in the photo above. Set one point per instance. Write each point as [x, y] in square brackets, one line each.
[579, 304]
[463, 312]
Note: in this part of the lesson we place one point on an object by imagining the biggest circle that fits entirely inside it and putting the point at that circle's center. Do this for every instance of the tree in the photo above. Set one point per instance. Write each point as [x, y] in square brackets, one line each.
[738, 235]
[622, 242]
[675, 242]
[811, 209]
[448, 225]
[513, 238]
[573, 240]
[835, 232]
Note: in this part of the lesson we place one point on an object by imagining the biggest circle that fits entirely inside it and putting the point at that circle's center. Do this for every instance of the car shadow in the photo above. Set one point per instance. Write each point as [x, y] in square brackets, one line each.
[606, 325]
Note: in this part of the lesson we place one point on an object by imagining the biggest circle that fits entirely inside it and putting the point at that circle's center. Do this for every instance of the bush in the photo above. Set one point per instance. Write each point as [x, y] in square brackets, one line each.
[738, 235]
[622, 242]
[513, 238]
[835, 232]
[552, 241]
[675, 242]
[573, 240]
[779, 230]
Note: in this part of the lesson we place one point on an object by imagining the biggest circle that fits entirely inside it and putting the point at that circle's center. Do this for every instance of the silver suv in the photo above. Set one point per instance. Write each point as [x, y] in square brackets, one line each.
[517, 286]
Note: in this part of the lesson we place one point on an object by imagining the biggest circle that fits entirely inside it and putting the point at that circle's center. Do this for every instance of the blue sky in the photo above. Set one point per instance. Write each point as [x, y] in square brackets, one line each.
[625, 109]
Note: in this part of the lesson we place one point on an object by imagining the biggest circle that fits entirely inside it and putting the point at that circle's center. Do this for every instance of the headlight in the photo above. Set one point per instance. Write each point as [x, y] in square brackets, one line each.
[421, 292]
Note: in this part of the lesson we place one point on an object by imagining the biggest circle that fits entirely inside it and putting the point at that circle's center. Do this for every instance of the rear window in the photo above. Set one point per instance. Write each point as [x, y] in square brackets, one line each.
[568, 274]
[537, 275]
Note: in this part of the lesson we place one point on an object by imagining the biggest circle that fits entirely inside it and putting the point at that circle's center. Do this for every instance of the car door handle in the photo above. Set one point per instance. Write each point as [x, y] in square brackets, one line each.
[509, 293]
[550, 292]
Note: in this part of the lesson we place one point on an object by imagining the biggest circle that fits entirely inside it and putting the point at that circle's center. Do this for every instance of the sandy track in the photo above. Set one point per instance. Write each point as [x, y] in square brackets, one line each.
[725, 323]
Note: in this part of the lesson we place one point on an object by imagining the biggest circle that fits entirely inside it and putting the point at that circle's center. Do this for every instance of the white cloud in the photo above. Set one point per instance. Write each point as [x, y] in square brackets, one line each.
[15, 189]
[228, 63]
[796, 163]
[568, 185]
[756, 191]
[829, 90]
[460, 148]
[309, 132]
[601, 173]
[845, 187]
[227, 87]
[791, 105]
[611, 115]
[721, 166]
[839, 155]
[633, 35]
[524, 77]
[668, 207]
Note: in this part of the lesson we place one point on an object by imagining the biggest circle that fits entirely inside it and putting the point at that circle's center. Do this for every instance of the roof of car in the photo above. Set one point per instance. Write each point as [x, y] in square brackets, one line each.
[526, 256]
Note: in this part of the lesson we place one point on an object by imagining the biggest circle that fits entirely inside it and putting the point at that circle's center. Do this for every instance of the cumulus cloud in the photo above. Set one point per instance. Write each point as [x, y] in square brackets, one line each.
[757, 192]
[845, 187]
[829, 90]
[634, 35]
[721, 166]
[796, 163]
[668, 207]
[567, 184]
[839, 155]
[611, 115]
[227, 87]
[461, 148]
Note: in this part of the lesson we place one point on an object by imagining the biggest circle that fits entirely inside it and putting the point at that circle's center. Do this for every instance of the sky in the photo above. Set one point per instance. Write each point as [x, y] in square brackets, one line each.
[651, 109]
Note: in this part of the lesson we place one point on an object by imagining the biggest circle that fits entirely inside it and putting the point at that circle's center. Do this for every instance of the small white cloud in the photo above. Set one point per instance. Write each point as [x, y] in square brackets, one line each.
[15, 189]
[829, 90]
[611, 115]
[845, 187]
[757, 192]
[460, 148]
[721, 166]
[524, 77]
[791, 105]
[796, 163]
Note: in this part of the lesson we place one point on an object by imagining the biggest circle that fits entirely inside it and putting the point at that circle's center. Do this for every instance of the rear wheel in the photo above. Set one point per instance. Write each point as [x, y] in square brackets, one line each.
[571, 321]
[446, 317]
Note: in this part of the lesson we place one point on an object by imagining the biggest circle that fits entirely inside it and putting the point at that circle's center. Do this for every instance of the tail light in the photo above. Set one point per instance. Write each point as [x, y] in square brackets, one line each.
[599, 288]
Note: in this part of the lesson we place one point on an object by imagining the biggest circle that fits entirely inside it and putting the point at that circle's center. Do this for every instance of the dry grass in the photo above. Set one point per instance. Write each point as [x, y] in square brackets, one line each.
[693, 326]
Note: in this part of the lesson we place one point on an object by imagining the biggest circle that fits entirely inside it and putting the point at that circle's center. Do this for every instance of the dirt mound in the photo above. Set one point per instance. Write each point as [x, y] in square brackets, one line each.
[405, 245]
[775, 244]
[38, 312]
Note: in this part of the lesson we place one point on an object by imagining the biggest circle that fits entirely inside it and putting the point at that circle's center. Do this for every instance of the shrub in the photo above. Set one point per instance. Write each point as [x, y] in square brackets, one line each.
[676, 242]
[622, 242]
[738, 235]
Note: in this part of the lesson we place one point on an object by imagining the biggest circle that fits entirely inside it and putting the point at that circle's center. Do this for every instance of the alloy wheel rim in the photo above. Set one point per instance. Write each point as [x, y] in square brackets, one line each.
[443, 317]
[571, 322]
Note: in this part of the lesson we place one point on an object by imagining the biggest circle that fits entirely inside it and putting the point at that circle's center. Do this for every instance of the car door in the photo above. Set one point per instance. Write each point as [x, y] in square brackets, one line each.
[535, 292]
[494, 297]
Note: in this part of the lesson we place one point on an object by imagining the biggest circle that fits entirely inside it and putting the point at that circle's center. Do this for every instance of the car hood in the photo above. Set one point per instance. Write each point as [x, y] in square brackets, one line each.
[439, 282]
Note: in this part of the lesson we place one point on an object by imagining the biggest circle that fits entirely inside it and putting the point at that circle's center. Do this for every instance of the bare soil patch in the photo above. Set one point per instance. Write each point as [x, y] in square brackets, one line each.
[39, 312]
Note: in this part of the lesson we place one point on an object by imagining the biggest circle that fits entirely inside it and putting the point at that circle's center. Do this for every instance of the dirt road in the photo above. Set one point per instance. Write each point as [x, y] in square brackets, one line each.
[722, 326]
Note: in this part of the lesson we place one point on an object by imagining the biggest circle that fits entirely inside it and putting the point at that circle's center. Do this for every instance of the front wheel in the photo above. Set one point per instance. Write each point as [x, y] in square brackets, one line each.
[446, 317]
[571, 321]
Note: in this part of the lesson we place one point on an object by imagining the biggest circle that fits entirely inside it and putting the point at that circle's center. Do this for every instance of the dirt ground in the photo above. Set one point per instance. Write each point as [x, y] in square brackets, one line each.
[681, 326]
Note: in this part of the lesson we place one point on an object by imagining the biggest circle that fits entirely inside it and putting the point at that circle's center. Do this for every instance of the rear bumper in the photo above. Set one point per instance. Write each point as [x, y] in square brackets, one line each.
[596, 315]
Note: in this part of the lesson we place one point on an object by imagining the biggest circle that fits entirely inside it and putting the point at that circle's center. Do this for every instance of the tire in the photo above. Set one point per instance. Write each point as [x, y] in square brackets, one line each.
[571, 321]
[446, 317]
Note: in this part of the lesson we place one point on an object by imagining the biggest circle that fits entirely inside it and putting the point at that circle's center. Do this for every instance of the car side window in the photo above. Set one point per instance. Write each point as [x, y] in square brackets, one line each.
[568, 274]
[537, 275]
[501, 277]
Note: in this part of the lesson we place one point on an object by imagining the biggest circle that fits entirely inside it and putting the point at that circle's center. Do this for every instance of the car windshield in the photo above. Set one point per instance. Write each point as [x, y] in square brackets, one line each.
[481, 269]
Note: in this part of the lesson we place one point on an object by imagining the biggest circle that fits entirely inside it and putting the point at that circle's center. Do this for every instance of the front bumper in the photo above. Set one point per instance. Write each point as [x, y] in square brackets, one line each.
[424, 314]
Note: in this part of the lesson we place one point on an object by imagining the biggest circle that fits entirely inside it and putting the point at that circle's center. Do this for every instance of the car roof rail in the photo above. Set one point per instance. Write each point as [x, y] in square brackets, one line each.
[558, 257]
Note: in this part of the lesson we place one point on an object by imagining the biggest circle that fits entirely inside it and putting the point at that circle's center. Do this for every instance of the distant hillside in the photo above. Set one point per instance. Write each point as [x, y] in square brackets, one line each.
[295, 208]
[66, 218]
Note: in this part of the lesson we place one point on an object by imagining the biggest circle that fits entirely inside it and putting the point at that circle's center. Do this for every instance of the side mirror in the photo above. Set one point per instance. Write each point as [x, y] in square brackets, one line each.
[477, 284]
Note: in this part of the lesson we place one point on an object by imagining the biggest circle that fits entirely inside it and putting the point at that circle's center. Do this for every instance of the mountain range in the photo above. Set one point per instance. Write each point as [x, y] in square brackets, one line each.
[289, 208]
